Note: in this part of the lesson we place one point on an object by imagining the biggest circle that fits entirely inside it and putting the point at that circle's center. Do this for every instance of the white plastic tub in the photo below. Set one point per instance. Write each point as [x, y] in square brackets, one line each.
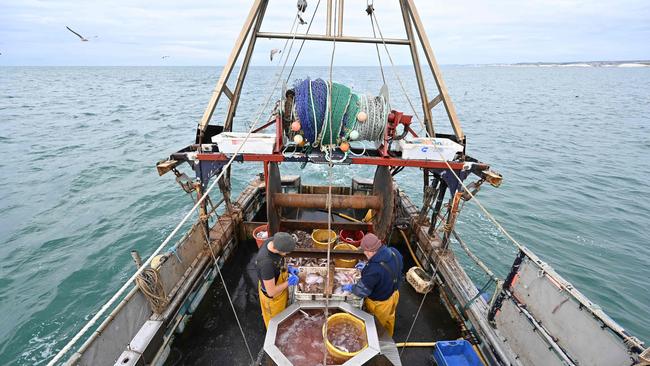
[426, 148]
[257, 143]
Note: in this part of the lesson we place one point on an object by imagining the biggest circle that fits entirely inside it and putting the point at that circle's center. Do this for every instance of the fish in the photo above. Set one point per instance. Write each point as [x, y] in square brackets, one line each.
[344, 278]
[313, 278]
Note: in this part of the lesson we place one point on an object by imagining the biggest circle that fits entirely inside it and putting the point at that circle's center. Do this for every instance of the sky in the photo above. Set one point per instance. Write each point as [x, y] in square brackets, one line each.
[202, 32]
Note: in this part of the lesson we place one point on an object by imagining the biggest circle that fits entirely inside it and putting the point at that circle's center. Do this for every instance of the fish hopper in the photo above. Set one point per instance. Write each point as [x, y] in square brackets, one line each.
[305, 334]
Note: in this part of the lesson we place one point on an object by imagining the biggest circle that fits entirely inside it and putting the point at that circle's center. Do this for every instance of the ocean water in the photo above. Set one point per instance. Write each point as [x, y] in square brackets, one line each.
[80, 189]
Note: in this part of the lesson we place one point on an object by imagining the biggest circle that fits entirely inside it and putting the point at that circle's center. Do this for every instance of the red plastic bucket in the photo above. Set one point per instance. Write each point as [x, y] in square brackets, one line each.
[260, 241]
[351, 237]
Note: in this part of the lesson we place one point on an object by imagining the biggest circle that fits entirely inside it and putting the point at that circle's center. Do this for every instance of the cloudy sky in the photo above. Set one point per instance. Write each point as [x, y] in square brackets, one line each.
[201, 32]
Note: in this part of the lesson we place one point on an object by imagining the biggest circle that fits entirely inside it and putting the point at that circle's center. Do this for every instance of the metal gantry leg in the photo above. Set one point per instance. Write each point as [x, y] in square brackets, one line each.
[221, 87]
[234, 101]
[428, 120]
[435, 69]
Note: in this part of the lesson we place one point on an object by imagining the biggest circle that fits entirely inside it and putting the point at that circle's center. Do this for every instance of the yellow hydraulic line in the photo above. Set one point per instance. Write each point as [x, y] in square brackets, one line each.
[408, 245]
[350, 218]
[369, 216]
[346, 217]
[415, 344]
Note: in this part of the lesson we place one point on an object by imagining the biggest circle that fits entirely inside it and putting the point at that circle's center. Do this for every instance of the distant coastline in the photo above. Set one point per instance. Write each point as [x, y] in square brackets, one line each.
[631, 63]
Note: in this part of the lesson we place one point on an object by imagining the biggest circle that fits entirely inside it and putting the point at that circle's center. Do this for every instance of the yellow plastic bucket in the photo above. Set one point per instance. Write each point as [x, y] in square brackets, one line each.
[345, 263]
[343, 318]
[320, 238]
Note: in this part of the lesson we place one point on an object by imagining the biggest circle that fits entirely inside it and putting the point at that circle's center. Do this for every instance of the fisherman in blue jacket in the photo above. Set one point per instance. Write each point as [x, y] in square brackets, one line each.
[380, 280]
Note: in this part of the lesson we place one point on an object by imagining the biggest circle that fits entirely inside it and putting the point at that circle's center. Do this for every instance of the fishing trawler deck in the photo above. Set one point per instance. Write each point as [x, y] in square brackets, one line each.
[213, 335]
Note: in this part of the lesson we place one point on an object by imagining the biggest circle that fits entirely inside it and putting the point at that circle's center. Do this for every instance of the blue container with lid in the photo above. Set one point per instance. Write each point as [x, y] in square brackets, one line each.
[456, 353]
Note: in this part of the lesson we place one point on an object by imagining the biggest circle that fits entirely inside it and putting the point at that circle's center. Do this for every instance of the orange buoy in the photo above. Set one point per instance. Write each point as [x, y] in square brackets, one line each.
[295, 126]
[345, 146]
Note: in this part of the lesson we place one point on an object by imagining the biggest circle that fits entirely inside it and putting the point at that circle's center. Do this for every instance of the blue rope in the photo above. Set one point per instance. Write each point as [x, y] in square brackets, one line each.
[311, 101]
[319, 91]
[303, 109]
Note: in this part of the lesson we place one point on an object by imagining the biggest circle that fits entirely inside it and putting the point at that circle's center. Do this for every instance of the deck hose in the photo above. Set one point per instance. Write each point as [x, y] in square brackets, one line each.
[415, 344]
[408, 245]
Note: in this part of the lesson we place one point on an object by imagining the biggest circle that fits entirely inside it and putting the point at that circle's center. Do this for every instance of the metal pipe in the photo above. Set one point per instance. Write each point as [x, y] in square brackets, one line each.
[442, 188]
[136, 258]
[330, 38]
[339, 21]
[454, 209]
[338, 201]
[328, 23]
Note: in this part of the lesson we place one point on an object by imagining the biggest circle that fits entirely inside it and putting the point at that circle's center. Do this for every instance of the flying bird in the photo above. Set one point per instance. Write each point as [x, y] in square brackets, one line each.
[77, 34]
[164, 57]
[274, 51]
[302, 5]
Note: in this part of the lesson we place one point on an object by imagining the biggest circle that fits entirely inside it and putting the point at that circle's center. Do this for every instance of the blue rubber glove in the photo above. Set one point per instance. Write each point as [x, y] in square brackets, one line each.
[360, 265]
[292, 270]
[347, 288]
[293, 280]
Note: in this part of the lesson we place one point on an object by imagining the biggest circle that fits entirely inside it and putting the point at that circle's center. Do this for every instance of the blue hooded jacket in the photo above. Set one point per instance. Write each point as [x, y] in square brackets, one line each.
[378, 282]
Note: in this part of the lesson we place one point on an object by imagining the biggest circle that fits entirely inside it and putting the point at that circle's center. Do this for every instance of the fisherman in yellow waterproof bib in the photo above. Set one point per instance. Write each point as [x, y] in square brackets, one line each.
[274, 281]
[380, 280]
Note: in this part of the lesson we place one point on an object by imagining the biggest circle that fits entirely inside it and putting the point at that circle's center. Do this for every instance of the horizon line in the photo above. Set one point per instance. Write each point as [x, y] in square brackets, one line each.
[605, 62]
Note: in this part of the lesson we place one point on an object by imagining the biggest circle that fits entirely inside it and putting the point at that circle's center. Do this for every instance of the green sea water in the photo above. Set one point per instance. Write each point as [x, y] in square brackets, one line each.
[79, 187]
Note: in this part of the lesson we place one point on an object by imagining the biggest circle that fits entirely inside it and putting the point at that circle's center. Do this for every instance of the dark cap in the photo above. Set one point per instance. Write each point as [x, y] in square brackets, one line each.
[370, 243]
[284, 242]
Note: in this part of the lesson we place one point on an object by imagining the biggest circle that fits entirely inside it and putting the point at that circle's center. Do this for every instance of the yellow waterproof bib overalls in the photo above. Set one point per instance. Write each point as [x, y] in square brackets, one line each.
[384, 310]
[272, 306]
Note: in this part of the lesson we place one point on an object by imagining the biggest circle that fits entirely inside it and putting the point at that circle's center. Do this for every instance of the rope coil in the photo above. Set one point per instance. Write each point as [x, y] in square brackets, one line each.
[149, 283]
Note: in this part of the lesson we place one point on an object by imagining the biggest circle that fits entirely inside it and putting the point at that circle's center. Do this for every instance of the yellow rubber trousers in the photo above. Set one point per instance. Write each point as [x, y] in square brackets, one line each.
[384, 311]
[273, 306]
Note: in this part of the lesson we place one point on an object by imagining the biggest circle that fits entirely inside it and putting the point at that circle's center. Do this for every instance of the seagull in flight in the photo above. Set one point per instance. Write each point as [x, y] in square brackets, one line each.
[164, 57]
[274, 51]
[77, 34]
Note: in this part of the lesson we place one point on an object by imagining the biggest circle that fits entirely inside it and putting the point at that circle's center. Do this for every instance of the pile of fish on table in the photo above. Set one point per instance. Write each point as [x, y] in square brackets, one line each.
[303, 240]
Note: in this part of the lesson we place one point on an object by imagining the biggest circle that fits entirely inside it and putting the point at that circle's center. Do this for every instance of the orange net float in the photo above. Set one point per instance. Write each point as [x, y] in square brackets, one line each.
[344, 146]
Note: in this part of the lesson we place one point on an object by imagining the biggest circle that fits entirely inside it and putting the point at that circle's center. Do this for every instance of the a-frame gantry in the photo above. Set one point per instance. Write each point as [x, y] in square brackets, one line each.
[415, 38]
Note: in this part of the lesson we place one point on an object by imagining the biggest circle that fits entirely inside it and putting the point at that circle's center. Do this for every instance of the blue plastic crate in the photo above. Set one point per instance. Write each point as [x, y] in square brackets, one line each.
[455, 353]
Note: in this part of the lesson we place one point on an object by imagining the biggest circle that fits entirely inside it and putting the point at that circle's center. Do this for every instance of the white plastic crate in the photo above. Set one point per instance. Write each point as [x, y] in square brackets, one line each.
[297, 295]
[257, 143]
[427, 148]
